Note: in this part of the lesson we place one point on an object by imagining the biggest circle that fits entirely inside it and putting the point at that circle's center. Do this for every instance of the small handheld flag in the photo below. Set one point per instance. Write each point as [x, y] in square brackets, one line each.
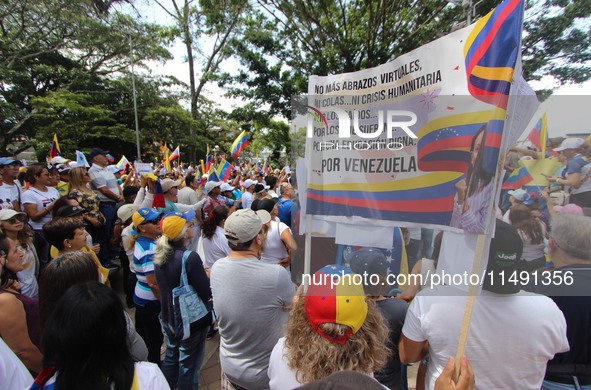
[224, 170]
[81, 159]
[54, 151]
[539, 135]
[176, 154]
[239, 144]
[122, 164]
[158, 195]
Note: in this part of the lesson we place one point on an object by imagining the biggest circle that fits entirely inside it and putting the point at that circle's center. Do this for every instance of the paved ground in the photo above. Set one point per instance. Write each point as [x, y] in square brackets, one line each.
[209, 378]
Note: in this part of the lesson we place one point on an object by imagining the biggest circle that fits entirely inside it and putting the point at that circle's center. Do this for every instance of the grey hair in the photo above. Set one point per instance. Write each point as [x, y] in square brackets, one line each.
[164, 246]
[571, 233]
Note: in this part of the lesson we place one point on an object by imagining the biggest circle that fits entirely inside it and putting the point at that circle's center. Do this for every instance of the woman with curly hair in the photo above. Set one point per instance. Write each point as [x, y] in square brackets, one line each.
[333, 328]
[533, 233]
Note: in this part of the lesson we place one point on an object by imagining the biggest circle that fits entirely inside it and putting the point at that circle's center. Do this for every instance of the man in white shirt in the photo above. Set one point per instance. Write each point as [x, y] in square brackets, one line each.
[512, 336]
[10, 189]
[247, 195]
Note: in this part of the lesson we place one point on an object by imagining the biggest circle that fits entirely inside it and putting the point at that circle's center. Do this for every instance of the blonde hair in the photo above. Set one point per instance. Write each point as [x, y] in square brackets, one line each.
[313, 357]
[76, 176]
[164, 246]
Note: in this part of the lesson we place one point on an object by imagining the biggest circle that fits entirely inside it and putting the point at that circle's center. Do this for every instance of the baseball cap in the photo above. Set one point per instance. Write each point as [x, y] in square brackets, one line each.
[6, 214]
[243, 225]
[58, 160]
[370, 260]
[504, 256]
[522, 196]
[570, 208]
[334, 297]
[63, 168]
[248, 183]
[260, 188]
[570, 143]
[96, 151]
[126, 211]
[226, 187]
[173, 223]
[70, 211]
[210, 185]
[168, 184]
[144, 215]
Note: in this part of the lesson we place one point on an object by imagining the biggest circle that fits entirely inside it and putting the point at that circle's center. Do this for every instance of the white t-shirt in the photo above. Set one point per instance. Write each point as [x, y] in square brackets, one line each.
[281, 377]
[13, 373]
[15, 190]
[274, 248]
[511, 338]
[246, 200]
[28, 276]
[41, 199]
[126, 238]
[6, 198]
[149, 377]
[187, 195]
[532, 251]
[215, 248]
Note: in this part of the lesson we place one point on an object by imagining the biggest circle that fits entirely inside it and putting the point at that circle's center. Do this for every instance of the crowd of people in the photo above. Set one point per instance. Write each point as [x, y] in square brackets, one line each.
[201, 256]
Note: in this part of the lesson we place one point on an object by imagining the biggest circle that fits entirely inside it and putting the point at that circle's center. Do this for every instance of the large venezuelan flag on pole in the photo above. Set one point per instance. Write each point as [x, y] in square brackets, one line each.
[377, 171]
[239, 144]
[224, 170]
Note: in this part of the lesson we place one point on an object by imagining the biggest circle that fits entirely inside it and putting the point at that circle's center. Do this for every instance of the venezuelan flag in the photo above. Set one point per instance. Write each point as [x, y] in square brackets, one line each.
[212, 175]
[539, 134]
[54, 151]
[176, 154]
[240, 143]
[491, 52]
[224, 170]
[124, 162]
[207, 160]
[518, 178]
[158, 200]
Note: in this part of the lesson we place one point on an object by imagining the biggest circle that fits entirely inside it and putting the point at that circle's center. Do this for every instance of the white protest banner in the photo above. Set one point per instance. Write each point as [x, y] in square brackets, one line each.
[415, 141]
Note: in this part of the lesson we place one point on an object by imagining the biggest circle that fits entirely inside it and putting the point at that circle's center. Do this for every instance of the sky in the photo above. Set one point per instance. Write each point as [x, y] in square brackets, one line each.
[568, 109]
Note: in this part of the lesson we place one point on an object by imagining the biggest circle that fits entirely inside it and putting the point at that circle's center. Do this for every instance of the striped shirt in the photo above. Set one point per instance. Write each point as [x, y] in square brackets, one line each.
[143, 254]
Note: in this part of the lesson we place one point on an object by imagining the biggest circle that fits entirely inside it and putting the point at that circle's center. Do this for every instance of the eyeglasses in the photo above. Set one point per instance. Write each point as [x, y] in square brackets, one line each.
[16, 219]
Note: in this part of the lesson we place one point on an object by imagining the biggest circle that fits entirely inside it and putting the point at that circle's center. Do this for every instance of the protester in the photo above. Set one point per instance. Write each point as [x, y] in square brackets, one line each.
[19, 315]
[63, 185]
[331, 329]
[533, 233]
[251, 301]
[67, 234]
[89, 317]
[215, 243]
[287, 208]
[184, 353]
[10, 189]
[38, 202]
[212, 191]
[147, 295]
[13, 226]
[188, 194]
[104, 183]
[372, 262]
[87, 199]
[569, 249]
[67, 270]
[170, 188]
[512, 334]
[247, 195]
[122, 230]
[571, 177]
[279, 241]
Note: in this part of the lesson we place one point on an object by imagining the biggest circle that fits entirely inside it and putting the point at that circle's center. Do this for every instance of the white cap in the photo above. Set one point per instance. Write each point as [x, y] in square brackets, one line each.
[226, 187]
[248, 183]
[570, 143]
[167, 184]
[58, 160]
[126, 211]
[210, 185]
[6, 214]
[243, 225]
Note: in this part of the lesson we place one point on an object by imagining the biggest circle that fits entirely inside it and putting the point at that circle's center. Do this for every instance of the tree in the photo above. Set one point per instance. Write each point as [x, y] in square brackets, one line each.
[284, 41]
[217, 21]
[47, 46]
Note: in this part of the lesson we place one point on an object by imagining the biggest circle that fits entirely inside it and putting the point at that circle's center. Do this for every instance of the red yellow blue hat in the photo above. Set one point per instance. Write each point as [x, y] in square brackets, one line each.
[335, 295]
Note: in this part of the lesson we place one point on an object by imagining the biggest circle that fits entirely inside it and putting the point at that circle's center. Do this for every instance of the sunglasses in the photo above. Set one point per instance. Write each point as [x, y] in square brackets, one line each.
[153, 222]
[16, 219]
